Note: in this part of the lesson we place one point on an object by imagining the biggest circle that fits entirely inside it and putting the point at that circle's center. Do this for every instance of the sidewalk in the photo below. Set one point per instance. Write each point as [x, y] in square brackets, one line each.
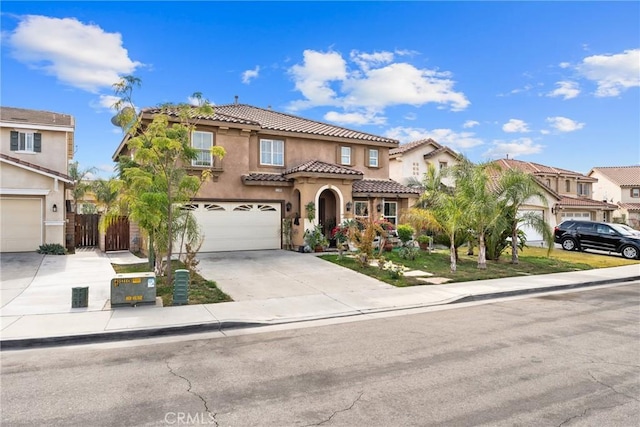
[42, 314]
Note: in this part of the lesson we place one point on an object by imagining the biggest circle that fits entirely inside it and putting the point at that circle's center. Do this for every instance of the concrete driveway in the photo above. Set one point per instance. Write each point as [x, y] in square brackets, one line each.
[17, 271]
[257, 275]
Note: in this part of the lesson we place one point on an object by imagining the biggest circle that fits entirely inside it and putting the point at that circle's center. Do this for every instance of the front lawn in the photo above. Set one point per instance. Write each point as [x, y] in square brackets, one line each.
[201, 291]
[532, 261]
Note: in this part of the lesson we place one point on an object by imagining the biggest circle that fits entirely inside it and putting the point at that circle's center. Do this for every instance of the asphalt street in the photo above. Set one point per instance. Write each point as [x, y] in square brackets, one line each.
[565, 359]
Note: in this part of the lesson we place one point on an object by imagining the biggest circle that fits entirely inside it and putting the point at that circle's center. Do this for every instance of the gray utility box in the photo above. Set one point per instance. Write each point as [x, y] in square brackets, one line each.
[133, 289]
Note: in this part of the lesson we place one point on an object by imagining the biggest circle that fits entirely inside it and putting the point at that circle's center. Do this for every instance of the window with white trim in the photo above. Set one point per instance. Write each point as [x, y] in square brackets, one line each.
[584, 189]
[26, 141]
[345, 155]
[373, 157]
[272, 152]
[635, 193]
[415, 168]
[391, 212]
[202, 143]
[361, 209]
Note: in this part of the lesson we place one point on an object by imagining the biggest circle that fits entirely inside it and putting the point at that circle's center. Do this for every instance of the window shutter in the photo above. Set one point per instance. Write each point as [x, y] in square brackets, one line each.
[14, 141]
[37, 142]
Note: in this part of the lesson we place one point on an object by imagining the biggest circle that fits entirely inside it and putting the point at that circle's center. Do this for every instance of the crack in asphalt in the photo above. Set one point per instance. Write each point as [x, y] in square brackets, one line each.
[592, 409]
[574, 417]
[612, 388]
[204, 402]
[337, 412]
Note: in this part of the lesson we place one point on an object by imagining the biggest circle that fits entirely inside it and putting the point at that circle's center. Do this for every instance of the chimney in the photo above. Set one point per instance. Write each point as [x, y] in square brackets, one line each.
[236, 101]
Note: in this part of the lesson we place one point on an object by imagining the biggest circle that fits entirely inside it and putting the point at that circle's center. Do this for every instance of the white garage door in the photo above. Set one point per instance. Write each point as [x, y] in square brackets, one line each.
[586, 216]
[532, 234]
[20, 224]
[238, 226]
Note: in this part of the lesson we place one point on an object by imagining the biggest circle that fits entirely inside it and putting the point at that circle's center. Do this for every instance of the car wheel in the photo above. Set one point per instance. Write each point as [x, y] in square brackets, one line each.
[630, 252]
[569, 244]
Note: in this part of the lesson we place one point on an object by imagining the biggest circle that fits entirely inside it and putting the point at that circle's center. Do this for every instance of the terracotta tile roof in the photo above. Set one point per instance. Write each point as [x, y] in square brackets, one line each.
[630, 206]
[273, 120]
[537, 169]
[24, 116]
[316, 166]
[36, 167]
[624, 176]
[217, 116]
[265, 177]
[584, 202]
[381, 186]
[411, 145]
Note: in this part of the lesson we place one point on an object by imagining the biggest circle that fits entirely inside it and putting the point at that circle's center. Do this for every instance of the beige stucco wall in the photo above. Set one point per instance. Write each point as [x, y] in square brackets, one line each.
[54, 149]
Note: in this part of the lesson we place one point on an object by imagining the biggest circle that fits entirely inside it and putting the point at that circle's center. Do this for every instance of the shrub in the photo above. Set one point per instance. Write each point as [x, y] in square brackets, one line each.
[52, 249]
[405, 233]
[408, 252]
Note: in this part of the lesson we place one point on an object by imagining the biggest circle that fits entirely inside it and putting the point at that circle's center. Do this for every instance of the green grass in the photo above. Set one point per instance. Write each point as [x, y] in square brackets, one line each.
[532, 261]
[201, 291]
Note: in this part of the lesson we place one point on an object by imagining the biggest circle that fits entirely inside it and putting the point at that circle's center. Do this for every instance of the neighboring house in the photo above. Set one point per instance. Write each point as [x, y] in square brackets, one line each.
[275, 165]
[409, 162]
[36, 147]
[569, 195]
[619, 185]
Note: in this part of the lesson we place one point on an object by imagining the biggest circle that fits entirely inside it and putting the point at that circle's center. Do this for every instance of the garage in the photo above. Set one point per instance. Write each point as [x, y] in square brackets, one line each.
[532, 234]
[21, 224]
[238, 226]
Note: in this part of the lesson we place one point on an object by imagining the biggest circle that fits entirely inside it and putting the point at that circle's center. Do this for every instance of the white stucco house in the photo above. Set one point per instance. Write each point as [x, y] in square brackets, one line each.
[35, 149]
[619, 185]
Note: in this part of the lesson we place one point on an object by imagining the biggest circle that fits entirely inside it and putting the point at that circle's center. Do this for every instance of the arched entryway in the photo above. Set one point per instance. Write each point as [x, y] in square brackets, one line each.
[328, 210]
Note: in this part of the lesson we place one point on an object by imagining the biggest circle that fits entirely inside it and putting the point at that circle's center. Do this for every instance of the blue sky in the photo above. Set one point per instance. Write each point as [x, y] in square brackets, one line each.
[556, 83]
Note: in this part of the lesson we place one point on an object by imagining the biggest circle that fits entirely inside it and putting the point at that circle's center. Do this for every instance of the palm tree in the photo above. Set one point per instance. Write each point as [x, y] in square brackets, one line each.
[516, 188]
[80, 184]
[106, 192]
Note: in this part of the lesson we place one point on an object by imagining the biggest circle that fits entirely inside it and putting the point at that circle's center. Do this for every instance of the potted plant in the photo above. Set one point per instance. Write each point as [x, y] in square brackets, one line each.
[310, 209]
[315, 239]
[340, 234]
[424, 241]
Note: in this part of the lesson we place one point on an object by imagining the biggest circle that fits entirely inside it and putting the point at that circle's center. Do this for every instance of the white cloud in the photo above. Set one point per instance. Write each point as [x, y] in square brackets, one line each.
[515, 125]
[470, 123]
[107, 101]
[563, 124]
[545, 132]
[355, 118]
[77, 54]
[515, 148]
[249, 75]
[411, 116]
[612, 73]
[565, 89]
[455, 140]
[564, 65]
[373, 82]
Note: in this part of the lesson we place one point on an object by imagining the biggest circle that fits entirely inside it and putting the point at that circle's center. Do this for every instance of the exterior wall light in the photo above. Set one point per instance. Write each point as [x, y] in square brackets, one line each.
[349, 205]
[288, 206]
[379, 207]
[54, 208]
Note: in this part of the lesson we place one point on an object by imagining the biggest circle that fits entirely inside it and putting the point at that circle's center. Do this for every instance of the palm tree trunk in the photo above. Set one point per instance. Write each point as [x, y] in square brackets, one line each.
[452, 252]
[514, 246]
[482, 252]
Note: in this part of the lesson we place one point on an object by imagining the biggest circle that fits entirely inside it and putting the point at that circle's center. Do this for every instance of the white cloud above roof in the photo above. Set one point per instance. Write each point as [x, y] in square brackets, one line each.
[355, 118]
[514, 148]
[458, 141]
[77, 54]
[370, 82]
[515, 125]
[249, 75]
[565, 89]
[612, 73]
[563, 124]
[470, 123]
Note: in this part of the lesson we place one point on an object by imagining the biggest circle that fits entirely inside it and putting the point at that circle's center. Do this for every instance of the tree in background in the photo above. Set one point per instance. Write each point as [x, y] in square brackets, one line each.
[80, 183]
[155, 182]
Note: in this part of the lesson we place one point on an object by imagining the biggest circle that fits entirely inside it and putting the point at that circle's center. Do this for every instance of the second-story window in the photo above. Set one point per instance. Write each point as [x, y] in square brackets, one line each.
[345, 155]
[635, 193]
[27, 142]
[373, 158]
[584, 189]
[202, 143]
[567, 186]
[272, 152]
[443, 165]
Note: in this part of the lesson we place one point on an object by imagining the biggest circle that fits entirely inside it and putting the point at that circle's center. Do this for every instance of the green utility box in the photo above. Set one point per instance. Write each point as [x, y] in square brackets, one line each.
[79, 297]
[181, 287]
[133, 289]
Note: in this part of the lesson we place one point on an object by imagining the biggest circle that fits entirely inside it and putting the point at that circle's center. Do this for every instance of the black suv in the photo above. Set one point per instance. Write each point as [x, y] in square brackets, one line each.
[581, 235]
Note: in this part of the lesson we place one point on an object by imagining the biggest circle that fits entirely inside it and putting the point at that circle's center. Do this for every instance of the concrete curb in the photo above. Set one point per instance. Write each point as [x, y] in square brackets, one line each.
[103, 337]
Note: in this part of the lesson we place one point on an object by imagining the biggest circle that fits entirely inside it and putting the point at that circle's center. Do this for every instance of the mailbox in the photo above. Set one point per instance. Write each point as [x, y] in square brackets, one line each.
[133, 289]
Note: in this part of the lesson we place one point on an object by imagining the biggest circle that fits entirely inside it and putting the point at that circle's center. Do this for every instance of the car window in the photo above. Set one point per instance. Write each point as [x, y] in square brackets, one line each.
[621, 230]
[584, 227]
[603, 229]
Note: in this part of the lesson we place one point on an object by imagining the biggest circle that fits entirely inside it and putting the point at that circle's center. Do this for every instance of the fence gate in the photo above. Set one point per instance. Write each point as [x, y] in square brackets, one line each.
[86, 230]
[117, 237]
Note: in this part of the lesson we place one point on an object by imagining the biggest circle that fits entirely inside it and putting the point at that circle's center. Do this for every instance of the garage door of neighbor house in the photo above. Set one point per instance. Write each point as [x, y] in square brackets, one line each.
[532, 234]
[585, 216]
[21, 224]
[237, 226]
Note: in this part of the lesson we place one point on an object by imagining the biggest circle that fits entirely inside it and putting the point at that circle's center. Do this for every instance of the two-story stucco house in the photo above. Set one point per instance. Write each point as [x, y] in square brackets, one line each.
[276, 165]
[619, 185]
[409, 162]
[36, 147]
[569, 194]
